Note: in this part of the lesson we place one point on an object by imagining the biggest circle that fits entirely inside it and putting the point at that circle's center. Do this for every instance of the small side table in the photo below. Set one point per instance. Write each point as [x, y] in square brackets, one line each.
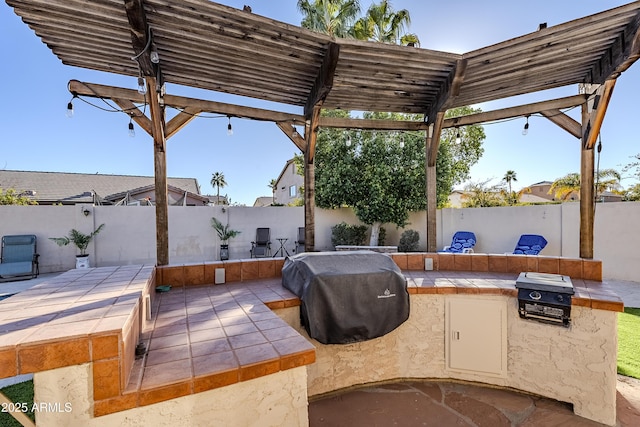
[282, 250]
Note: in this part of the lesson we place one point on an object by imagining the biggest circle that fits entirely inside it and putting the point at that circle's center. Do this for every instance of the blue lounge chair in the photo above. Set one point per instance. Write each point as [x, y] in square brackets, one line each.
[18, 257]
[530, 244]
[462, 243]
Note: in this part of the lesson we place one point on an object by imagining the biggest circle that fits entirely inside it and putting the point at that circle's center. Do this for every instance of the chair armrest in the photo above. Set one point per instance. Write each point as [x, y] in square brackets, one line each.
[446, 248]
[467, 251]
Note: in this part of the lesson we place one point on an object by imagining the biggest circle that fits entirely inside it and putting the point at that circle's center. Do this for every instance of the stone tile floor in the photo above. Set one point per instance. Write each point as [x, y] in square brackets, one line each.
[442, 404]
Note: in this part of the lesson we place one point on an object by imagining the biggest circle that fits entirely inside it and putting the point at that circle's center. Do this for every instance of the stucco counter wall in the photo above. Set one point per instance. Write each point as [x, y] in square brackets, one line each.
[575, 365]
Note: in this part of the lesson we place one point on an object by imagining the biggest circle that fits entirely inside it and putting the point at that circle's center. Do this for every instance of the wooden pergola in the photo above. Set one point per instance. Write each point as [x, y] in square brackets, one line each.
[206, 45]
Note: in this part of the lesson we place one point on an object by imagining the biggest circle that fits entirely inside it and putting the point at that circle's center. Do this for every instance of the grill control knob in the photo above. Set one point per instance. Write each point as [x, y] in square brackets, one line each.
[560, 298]
[535, 295]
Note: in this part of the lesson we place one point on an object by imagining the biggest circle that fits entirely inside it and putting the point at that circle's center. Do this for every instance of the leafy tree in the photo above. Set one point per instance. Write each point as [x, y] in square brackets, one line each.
[509, 177]
[382, 24]
[381, 175]
[633, 166]
[333, 17]
[273, 185]
[12, 197]
[482, 195]
[562, 188]
[217, 180]
[633, 193]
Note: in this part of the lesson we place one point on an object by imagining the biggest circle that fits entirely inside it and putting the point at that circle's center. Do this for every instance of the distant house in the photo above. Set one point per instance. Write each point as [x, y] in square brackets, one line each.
[263, 201]
[48, 188]
[541, 189]
[288, 184]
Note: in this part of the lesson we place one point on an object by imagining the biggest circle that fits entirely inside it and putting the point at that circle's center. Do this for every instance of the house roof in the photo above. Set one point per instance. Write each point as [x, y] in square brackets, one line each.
[211, 46]
[68, 188]
[263, 201]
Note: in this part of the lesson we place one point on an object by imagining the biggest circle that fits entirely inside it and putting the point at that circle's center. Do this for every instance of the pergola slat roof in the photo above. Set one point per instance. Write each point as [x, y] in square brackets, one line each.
[216, 47]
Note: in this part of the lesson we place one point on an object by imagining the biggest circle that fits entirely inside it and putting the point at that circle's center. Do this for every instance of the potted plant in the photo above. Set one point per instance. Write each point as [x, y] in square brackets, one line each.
[224, 233]
[81, 241]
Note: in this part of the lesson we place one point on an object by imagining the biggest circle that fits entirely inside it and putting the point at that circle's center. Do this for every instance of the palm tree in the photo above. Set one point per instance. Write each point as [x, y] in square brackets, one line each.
[333, 17]
[384, 25]
[217, 180]
[508, 178]
[273, 185]
[563, 188]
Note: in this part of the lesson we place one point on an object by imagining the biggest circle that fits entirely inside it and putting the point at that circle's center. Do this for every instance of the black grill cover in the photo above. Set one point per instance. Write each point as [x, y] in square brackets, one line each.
[347, 296]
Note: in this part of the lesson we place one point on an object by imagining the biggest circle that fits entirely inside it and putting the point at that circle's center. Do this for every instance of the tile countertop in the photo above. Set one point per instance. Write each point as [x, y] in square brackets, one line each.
[588, 293]
[68, 319]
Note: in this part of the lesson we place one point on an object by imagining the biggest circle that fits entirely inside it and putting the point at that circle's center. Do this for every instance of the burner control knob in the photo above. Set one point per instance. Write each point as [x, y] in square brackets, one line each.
[560, 298]
[535, 295]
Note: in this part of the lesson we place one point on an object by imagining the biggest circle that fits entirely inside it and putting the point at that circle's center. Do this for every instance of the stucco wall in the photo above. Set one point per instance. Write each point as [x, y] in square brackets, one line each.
[129, 234]
[537, 356]
[275, 400]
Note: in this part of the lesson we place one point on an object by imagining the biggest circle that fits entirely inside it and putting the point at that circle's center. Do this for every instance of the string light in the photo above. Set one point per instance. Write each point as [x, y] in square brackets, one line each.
[348, 142]
[154, 57]
[69, 112]
[458, 138]
[132, 131]
[142, 86]
[229, 128]
[525, 130]
[295, 132]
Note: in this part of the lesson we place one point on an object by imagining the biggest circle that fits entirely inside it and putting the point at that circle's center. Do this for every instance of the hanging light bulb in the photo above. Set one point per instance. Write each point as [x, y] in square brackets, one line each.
[132, 130]
[142, 86]
[229, 128]
[401, 141]
[458, 138]
[348, 142]
[295, 132]
[525, 130]
[69, 112]
[154, 57]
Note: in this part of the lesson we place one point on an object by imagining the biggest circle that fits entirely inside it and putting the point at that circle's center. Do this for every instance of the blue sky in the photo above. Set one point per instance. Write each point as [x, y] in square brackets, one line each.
[37, 136]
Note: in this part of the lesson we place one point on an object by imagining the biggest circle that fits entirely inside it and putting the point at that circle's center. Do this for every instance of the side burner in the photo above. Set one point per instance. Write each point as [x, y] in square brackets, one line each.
[545, 297]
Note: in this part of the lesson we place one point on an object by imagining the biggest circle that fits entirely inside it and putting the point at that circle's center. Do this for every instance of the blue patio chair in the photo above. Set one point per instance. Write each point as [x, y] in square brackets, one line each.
[18, 256]
[461, 243]
[530, 244]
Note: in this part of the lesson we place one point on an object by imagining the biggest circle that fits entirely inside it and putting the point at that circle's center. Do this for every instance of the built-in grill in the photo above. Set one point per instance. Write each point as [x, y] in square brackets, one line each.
[545, 297]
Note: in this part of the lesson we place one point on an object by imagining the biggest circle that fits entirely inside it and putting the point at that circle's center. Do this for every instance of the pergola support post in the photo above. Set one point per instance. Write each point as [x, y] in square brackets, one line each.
[160, 167]
[593, 113]
[310, 134]
[431, 154]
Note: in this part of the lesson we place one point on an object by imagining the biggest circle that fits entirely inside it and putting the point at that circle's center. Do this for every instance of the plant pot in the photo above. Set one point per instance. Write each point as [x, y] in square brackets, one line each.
[224, 252]
[82, 261]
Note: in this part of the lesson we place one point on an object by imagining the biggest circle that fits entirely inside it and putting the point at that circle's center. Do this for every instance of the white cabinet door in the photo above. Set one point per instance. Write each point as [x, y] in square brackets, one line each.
[476, 337]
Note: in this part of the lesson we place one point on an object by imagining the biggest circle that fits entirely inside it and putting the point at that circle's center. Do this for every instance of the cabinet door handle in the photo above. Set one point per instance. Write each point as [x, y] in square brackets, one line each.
[455, 335]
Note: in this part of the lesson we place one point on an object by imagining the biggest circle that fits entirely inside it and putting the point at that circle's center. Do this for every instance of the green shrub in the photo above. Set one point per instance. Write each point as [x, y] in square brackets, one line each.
[382, 236]
[346, 234]
[409, 241]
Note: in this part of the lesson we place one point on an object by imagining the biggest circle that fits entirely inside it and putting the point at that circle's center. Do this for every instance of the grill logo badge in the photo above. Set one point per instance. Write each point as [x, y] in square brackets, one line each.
[386, 294]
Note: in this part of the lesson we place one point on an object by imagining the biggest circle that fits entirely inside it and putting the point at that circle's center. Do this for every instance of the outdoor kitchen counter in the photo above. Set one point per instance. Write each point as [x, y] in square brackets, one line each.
[588, 293]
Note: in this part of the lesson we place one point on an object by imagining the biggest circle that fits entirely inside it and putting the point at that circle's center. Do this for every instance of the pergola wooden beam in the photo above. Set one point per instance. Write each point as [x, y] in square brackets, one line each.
[324, 80]
[182, 103]
[452, 89]
[293, 135]
[565, 122]
[140, 36]
[620, 56]
[597, 110]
